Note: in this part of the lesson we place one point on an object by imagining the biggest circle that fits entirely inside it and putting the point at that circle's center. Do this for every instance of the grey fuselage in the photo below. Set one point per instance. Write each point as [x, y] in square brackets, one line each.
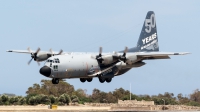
[80, 65]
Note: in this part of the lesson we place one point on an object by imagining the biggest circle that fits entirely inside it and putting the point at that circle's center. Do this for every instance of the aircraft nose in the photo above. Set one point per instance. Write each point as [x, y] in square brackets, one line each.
[46, 71]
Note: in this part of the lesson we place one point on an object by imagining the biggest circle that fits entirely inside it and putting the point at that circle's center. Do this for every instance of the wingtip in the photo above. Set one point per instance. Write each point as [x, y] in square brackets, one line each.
[9, 51]
[185, 53]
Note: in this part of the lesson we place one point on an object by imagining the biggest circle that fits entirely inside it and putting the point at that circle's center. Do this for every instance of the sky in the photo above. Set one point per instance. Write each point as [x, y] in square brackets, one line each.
[84, 26]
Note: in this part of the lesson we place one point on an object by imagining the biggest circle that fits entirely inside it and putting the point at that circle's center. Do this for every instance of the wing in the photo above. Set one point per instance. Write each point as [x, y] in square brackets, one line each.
[32, 51]
[158, 55]
[21, 51]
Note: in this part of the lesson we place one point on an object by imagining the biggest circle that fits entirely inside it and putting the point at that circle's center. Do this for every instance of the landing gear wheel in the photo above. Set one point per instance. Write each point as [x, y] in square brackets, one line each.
[89, 79]
[102, 80]
[82, 79]
[108, 80]
[55, 81]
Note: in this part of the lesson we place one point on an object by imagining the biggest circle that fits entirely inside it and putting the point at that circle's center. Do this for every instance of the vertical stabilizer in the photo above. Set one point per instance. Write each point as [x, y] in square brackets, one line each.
[148, 40]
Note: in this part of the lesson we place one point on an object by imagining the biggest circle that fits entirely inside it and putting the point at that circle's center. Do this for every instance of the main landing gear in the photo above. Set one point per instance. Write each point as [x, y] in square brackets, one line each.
[84, 79]
[102, 80]
[55, 81]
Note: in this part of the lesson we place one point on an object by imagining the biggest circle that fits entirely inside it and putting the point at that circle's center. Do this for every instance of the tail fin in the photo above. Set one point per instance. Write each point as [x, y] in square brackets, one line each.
[148, 40]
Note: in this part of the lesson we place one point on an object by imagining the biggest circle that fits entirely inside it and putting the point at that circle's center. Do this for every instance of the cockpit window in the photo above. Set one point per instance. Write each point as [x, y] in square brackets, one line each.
[57, 60]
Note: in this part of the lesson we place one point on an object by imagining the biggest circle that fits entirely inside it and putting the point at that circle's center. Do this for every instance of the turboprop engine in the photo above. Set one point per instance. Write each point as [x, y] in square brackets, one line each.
[130, 59]
[41, 56]
[107, 59]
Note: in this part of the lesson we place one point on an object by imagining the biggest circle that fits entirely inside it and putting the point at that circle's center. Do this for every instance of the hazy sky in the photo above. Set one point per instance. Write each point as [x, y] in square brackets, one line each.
[84, 25]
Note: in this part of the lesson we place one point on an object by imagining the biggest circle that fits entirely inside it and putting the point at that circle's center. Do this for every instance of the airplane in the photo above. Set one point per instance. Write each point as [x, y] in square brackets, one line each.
[105, 66]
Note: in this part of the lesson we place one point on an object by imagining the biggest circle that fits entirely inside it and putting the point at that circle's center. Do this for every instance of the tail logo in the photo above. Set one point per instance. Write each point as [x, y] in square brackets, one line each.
[150, 23]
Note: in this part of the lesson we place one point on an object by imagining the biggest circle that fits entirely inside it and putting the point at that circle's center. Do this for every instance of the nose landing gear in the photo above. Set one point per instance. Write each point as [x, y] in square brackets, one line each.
[55, 81]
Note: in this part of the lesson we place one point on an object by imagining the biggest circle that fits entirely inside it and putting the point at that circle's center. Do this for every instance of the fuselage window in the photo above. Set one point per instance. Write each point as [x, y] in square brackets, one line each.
[55, 67]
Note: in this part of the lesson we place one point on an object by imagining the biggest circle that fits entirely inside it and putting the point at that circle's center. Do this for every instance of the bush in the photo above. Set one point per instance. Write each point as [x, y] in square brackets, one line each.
[52, 99]
[193, 103]
[4, 100]
[74, 99]
[32, 100]
[64, 99]
[22, 101]
[13, 100]
[44, 99]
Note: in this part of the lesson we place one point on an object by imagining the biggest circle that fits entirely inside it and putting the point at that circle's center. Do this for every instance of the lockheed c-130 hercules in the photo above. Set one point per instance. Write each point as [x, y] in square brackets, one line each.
[104, 66]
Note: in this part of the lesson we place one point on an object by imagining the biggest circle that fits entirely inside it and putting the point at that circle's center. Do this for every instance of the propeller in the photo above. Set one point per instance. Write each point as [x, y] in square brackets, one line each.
[59, 53]
[51, 52]
[33, 55]
[100, 51]
[123, 57]
[99, 58]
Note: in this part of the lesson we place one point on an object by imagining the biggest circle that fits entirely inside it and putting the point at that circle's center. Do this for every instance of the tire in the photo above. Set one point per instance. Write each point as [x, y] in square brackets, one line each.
[102, 80]
[108, 80]
[89, 79]
[82, 79]
[55, 81]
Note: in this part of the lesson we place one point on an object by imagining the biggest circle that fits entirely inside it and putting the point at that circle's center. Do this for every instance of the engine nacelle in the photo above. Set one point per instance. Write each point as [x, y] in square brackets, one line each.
[120, 65]
[42, 57]
[130, 59]
[107, 59]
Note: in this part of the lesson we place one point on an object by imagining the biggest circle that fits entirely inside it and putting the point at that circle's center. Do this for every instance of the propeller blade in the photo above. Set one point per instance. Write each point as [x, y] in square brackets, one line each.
[38, 50]
[30, 61]
[125, 51]
[123, 57]
[29, 50]
[100, 51]
[51, 52]
[60, 52]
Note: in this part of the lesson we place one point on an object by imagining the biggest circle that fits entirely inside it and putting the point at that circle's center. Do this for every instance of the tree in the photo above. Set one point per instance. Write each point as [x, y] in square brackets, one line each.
[111, 98]
[47, 88]
[195, 96]
[95, 95]
[182, 100]
[121, 93]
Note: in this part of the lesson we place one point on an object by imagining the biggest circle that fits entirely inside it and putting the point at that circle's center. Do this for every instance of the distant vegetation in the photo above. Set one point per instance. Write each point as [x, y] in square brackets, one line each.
[64, 93]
